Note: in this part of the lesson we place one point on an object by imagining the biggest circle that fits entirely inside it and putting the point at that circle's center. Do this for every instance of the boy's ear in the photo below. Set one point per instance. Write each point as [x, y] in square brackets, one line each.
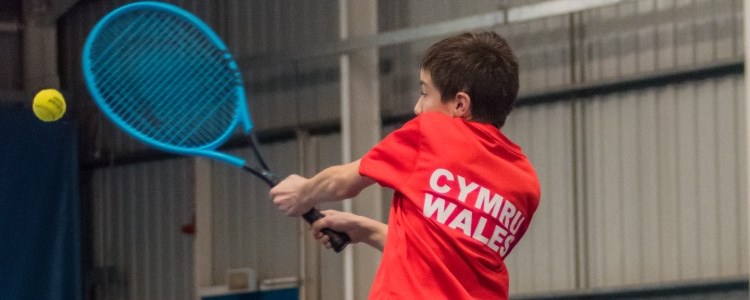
[462, 106]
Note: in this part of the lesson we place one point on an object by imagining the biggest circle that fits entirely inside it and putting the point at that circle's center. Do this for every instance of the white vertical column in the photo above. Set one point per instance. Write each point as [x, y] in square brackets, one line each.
[39, 56]
[310, 250]
[203, 243]
[40, 43]
[360, 130]
[346, 141]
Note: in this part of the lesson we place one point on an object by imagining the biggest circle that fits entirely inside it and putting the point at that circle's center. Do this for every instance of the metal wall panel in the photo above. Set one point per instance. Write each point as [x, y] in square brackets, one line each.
[662, 198]
[248, 230]
[138, 214]
[545, 258]
[664, 194]
[399, 80]
[427, 12]
[291, 93]
[544, 52]
[638, 37]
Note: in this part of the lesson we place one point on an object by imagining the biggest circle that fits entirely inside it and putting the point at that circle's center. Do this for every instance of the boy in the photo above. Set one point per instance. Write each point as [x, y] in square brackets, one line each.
[464, 193]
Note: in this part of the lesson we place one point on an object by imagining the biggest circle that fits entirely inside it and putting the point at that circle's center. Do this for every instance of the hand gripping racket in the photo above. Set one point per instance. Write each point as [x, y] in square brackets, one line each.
[164, 77]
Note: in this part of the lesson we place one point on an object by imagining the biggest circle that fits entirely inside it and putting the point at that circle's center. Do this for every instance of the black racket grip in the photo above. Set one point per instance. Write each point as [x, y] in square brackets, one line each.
[338, 240]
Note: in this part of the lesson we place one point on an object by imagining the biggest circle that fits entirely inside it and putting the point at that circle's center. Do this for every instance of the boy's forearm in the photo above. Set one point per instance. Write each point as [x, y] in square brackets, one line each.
[336, 183]
[375, 233]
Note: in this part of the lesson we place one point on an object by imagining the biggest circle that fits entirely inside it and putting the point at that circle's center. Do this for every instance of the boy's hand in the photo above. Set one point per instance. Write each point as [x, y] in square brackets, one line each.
[338, 221]
[358, 228]
[289, 196]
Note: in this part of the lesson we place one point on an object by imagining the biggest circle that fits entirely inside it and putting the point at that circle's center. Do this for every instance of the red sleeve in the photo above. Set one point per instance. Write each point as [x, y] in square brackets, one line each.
[392, 161]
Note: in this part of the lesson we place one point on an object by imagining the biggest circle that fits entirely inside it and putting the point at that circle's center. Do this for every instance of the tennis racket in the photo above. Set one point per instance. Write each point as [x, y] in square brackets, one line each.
[164, 77]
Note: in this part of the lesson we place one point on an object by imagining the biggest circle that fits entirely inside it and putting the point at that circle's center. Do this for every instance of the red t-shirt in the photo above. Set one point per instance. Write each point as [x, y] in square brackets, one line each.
[464, 197]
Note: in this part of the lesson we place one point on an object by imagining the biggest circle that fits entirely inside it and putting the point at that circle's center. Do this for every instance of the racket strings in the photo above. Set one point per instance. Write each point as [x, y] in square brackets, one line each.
[163, 77]
[119, 62]
[145, 63]
[114, 61]
[115, 33]
[207, 109]
[207, 127]
[223, 127]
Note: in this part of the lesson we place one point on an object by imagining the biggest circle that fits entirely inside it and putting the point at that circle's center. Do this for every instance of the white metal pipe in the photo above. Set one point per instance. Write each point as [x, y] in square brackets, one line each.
[746, 33]
[346, 140]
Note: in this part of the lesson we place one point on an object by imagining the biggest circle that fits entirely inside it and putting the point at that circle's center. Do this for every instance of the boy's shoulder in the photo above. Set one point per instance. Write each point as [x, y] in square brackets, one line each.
[447, 130]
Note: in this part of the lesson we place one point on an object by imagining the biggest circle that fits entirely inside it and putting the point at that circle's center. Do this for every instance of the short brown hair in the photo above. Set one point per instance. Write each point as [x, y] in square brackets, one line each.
[481, 65]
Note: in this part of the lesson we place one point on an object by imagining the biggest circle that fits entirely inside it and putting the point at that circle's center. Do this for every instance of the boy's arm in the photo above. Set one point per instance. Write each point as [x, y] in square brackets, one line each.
[359, 228]
[296, 195]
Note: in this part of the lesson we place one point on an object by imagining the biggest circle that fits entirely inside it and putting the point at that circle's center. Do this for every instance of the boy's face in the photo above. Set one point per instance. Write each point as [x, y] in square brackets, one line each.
[429, 99]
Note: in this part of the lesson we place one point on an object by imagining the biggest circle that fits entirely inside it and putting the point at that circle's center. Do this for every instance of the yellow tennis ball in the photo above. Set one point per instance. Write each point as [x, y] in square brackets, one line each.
[49, 105]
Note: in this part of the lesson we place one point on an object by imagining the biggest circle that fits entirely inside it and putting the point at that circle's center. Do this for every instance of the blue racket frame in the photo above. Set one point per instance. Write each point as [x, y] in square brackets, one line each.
[242, 115]
[339, 240]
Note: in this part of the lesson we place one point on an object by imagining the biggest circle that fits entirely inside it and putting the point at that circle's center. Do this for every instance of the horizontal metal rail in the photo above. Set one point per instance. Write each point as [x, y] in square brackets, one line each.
[487, 20]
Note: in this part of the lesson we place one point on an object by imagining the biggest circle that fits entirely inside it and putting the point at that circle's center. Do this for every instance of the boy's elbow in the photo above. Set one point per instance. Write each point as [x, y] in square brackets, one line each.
[347, 186]
[345, 190]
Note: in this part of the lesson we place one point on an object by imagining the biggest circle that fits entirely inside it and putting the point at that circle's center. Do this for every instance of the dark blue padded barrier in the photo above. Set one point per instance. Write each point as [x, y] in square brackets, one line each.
[39, 216]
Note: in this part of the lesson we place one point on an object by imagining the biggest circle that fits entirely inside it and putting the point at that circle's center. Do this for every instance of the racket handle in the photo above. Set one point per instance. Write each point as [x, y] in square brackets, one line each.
[339, 240]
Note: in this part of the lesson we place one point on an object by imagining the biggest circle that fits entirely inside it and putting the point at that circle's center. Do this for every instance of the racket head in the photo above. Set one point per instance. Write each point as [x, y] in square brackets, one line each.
[164, 77]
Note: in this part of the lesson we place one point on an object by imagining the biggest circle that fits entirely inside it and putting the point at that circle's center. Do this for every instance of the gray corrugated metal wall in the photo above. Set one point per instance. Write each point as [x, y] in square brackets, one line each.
[645, 36]
[663, 183]
[660, 197]
[545, 259]
[544, 52]
[620, 172]
[664, 194]
[138, 214]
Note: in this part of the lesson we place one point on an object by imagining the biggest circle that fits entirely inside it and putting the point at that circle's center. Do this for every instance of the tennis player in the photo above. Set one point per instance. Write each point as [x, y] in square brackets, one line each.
[464, 193]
